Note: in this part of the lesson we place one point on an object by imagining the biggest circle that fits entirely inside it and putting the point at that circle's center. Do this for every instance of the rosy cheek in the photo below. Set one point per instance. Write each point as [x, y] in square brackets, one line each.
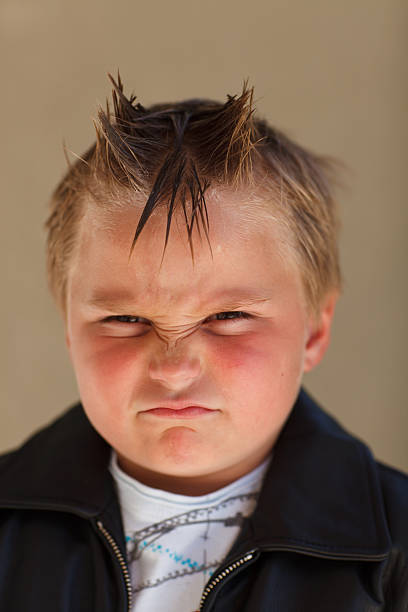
[110, 361]
[238, 353]
[120, 361]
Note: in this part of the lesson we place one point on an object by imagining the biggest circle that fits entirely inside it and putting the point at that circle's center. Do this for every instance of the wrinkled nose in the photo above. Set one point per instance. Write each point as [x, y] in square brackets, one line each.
[174, 369]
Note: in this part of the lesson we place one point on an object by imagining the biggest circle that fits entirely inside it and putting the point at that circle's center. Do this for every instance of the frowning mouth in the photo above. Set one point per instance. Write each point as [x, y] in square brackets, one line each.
[189, 412]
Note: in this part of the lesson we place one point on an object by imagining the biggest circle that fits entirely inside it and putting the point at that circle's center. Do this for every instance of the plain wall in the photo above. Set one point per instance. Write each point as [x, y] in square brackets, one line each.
[332, 74]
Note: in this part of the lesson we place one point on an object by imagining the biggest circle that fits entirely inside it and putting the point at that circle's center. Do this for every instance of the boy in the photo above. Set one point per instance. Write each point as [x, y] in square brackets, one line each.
[192, 252]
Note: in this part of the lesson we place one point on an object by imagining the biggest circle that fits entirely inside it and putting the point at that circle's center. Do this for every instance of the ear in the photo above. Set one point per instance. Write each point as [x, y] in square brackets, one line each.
[67, 334]
[319, 335]
[68, 344]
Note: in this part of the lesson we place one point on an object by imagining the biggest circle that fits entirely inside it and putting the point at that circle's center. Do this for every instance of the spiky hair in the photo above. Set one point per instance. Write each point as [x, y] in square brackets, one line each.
[170, 154]
[177, 150]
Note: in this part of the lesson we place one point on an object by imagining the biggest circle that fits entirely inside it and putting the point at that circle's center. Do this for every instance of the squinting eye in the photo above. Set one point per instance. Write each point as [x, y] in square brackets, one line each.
[126, 319]
[233, 315]
[230, 316]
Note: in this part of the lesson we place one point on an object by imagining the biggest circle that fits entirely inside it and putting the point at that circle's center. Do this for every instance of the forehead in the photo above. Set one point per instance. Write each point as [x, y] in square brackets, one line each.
[247, 260]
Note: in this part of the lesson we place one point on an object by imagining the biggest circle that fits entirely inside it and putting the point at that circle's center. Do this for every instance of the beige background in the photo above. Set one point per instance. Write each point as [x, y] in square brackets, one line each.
[333, 74]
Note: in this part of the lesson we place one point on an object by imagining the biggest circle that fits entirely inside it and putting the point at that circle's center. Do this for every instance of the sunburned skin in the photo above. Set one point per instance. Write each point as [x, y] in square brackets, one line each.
[222, 344]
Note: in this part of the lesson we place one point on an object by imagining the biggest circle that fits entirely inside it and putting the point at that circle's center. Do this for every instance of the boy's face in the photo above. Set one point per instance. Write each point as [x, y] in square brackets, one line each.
[149, 345]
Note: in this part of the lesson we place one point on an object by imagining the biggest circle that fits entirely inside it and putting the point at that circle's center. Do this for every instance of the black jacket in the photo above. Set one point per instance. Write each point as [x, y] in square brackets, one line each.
[330, 531]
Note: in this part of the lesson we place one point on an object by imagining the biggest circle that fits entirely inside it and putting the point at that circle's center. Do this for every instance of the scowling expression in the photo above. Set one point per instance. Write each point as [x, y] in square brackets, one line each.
[188, 371]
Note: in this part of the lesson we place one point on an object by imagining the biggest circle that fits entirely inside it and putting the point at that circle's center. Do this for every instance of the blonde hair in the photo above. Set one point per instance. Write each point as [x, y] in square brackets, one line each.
[170, 154]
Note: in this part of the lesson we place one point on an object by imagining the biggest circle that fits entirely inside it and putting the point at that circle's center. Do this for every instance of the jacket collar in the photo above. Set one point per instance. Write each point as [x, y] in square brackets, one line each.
[62, 467]
[321, 495]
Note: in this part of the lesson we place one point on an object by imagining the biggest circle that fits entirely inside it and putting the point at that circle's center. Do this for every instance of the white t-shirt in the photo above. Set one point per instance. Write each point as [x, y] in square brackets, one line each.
[175, 542]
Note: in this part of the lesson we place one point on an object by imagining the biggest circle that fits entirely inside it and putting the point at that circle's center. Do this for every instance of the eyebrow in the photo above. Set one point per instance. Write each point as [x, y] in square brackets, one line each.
[233, 299]
[110, 301]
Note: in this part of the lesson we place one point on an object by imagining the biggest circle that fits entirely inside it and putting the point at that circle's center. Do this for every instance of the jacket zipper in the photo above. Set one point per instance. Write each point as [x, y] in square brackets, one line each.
[216, 580]
[223, 574]
[122, 563]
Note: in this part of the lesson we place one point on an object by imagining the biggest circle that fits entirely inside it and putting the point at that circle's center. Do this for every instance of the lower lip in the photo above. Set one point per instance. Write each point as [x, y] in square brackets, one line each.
[190, 412]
